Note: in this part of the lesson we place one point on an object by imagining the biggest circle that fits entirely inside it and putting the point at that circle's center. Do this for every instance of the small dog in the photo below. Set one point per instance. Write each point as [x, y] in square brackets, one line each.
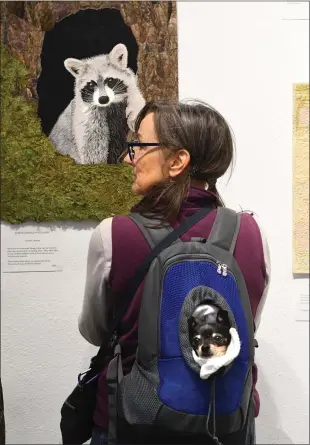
[209, 331]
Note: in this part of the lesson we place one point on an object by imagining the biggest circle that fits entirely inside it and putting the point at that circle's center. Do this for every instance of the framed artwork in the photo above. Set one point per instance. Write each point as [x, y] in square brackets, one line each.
[75, 75]
[301, 180]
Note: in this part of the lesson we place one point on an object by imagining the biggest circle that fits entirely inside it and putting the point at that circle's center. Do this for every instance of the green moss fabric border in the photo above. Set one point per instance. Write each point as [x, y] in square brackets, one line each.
[37, 183]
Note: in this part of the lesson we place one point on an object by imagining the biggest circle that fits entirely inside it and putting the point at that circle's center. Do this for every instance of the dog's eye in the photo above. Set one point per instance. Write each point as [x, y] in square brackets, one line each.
[197, 340]
[217, 337]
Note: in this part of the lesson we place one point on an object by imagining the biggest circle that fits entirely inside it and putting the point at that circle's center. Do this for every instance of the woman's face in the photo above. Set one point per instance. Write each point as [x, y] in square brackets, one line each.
[149, 166]
[152, 165]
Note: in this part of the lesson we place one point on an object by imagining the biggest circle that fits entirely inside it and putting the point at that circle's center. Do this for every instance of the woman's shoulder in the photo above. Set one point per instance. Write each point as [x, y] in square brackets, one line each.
[252, 255]
[123, 223]
[114, 240]
[252, 250]
[118, 223]
[251, 233]
[119, 230]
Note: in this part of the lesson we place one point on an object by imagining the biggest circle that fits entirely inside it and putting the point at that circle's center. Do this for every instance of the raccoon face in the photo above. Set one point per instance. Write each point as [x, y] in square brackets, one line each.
[104, 92]
[102, 80]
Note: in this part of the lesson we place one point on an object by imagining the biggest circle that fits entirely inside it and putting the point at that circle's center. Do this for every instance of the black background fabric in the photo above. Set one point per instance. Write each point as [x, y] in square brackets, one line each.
[87, 33]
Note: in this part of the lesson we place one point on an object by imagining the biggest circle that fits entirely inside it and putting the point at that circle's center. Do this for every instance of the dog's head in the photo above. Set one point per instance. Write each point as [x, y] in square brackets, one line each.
[209, 331]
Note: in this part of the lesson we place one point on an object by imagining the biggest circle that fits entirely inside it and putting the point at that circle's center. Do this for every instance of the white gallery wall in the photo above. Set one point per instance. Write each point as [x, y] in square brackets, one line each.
[242, 58]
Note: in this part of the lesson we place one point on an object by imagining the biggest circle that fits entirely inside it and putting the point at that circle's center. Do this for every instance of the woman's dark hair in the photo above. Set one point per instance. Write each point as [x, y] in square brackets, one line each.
[204, 133]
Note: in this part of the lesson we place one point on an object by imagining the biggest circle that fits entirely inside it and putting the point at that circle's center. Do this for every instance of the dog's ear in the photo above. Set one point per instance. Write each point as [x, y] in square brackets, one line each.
[191, 325]
[223, 318]
[191, 322]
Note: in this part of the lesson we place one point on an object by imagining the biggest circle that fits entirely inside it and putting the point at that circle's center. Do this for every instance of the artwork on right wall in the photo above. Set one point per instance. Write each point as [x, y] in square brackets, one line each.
[301, 180]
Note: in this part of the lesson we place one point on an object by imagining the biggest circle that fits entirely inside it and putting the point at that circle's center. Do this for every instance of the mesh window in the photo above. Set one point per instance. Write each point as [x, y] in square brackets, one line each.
[139, 394]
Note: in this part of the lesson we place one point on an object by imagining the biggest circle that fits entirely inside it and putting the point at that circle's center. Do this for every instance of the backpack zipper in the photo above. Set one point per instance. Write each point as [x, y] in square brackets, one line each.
[222, 269]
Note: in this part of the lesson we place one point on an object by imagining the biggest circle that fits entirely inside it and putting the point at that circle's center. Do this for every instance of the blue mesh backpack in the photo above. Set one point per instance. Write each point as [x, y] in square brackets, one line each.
[164, 391]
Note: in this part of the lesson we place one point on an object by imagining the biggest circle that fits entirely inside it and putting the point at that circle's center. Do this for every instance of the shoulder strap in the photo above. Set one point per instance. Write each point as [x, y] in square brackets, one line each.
[153, 235]
[137, 279]
[225, 230]
[224, 234]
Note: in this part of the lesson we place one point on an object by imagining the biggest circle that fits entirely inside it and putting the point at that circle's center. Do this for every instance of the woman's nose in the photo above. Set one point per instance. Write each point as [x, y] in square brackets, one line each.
[127, 159]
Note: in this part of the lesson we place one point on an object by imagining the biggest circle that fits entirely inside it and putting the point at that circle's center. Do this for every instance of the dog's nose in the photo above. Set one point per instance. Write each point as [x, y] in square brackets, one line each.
[205, 350]
[103, 100]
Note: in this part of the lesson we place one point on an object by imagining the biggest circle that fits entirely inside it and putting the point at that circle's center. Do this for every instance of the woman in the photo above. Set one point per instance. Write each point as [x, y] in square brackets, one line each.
[181, 151]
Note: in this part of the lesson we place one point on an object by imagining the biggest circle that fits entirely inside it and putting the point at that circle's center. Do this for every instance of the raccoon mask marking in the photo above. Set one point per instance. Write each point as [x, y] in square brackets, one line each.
[92, 93]
[105, 89]
[88, 91]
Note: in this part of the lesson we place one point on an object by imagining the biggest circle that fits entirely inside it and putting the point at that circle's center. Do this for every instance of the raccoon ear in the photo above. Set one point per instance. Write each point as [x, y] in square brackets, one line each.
[119, 56]
[73, 66]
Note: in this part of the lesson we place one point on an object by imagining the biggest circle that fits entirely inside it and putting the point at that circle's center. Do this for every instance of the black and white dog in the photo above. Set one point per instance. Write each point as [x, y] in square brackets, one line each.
[209, 331]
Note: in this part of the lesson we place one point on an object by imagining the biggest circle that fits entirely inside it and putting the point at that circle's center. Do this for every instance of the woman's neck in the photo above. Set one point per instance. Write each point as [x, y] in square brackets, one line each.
[199, 184]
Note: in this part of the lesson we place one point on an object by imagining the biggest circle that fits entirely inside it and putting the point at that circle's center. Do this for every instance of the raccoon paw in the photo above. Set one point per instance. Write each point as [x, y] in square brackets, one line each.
[132, 111]
[131, 116]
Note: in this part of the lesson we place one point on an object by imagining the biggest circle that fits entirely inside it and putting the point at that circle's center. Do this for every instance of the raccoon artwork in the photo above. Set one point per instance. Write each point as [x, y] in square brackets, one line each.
[93, 128]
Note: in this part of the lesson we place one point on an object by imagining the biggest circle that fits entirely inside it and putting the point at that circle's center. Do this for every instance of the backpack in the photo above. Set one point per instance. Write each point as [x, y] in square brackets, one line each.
[163, 393]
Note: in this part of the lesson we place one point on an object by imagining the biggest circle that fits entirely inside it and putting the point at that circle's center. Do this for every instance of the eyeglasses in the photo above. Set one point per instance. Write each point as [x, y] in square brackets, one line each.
[131, 147]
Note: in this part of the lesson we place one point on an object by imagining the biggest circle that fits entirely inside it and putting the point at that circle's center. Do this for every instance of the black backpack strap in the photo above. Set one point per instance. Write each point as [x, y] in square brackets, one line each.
[225, 230]
[114, 378]
[152, 234]
[224, 234]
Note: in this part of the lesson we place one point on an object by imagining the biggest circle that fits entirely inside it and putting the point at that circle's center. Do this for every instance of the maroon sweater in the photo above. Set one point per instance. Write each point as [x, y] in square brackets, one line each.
[129, 248]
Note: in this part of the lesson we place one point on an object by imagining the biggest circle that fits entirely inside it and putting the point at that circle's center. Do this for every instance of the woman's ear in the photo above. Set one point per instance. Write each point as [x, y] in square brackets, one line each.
[179, 161]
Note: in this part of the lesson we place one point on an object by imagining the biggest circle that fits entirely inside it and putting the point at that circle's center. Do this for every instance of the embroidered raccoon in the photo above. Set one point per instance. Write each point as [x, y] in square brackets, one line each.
[94, 126]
